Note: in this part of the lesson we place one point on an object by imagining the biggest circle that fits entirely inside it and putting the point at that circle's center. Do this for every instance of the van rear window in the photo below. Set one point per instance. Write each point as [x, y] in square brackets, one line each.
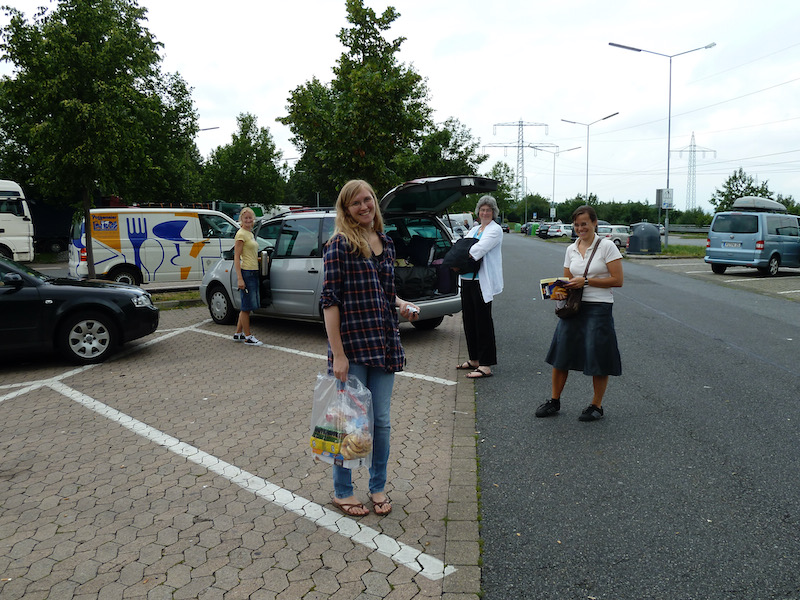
[735, 224]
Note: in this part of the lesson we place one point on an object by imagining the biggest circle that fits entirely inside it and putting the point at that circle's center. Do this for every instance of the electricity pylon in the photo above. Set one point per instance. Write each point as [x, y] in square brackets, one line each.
[520, 146]
[691, 183]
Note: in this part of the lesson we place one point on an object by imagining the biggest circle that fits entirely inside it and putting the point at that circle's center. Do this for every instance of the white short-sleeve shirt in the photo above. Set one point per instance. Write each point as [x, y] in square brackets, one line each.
[607, 252]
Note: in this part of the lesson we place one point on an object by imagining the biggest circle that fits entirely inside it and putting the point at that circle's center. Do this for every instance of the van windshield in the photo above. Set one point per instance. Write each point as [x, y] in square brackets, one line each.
[735, 224]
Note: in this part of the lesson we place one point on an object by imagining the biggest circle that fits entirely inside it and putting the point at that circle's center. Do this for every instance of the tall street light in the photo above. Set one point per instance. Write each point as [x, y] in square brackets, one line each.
[587, 125]
[555, 153]
[669, 113]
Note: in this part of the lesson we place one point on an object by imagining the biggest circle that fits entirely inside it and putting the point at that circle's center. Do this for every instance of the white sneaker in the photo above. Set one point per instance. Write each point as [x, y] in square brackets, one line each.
[251, 340]
[238, 337]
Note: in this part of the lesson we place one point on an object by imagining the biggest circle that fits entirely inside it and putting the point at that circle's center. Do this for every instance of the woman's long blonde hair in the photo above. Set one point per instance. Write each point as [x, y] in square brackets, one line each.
[347, 226]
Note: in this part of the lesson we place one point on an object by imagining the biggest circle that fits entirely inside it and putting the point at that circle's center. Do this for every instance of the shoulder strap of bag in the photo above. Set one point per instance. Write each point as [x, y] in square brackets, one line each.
[591, 256]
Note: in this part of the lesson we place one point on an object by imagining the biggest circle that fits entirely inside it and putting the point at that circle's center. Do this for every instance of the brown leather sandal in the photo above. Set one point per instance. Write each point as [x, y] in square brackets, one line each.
[350, 509]
[376, 506]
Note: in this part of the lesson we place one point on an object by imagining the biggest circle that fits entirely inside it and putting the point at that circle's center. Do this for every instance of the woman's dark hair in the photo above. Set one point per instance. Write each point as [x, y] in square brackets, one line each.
[587, 210]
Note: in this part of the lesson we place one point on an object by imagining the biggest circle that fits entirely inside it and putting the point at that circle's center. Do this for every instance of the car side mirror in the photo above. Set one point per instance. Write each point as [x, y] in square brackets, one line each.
[12, 280]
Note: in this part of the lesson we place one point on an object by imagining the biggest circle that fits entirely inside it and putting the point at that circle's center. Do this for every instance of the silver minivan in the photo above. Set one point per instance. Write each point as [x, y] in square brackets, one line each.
[291, 255]
[757, 233]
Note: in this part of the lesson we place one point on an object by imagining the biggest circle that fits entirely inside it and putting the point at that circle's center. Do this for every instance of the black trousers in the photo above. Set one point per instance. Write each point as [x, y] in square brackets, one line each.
[478, 324]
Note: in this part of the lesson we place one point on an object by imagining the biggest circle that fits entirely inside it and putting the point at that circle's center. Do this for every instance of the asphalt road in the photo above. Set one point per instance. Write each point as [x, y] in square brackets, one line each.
[689, 487]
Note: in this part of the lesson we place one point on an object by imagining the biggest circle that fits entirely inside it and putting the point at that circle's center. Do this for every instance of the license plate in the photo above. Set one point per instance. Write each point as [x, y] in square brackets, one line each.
[731, 244]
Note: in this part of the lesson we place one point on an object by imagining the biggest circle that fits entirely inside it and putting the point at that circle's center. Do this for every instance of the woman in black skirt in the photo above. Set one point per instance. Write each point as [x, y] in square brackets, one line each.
[587, 341]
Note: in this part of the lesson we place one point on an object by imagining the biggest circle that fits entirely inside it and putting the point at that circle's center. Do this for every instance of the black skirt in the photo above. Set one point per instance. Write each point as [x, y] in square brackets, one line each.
[587, 342]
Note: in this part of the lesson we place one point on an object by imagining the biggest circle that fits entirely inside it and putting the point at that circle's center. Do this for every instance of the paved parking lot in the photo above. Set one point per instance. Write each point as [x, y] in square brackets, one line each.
[786, 284]
[181, 469]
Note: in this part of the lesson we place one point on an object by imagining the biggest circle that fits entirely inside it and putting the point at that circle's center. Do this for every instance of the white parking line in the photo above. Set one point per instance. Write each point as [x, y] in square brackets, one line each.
[420, 376]
[402, 554]
[790, 292]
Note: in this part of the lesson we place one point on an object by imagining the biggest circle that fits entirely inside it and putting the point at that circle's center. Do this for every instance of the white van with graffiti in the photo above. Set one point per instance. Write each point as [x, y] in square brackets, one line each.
[144, 245]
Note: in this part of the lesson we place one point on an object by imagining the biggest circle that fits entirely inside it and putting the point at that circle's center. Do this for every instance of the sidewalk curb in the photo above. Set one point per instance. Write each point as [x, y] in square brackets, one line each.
[462, 543]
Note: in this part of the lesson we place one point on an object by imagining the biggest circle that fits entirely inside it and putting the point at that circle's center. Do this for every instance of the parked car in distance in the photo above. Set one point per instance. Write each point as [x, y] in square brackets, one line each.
[85, 320]
[291, 255]
[618, 234]
[542, 230]
[559, 230]
[526, 228]
[758, 233]
[504, 227]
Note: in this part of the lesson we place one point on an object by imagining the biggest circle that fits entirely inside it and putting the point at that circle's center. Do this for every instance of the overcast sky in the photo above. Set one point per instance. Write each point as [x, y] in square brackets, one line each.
[495, 64]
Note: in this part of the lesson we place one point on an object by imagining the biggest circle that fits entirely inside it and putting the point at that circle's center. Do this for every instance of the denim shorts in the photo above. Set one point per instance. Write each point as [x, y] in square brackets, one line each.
[250, 299]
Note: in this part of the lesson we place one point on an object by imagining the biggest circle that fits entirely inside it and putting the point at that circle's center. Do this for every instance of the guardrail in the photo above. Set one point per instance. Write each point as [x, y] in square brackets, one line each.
[687, 229]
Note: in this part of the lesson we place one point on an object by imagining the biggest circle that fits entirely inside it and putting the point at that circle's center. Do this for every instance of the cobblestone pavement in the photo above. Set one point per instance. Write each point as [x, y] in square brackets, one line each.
[181, 469]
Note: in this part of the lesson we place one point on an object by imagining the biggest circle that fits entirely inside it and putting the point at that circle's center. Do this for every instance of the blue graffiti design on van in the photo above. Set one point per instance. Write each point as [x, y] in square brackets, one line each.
[172, 231]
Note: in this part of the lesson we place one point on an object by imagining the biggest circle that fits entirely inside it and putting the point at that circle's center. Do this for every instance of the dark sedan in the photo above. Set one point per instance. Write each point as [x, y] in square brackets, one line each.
[85, 320]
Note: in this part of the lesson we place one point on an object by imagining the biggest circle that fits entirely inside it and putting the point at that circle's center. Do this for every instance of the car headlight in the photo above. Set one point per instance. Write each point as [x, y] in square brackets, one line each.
[142, 301]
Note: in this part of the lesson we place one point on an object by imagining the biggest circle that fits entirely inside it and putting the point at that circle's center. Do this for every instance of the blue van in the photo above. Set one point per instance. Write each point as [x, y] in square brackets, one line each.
[758, 233]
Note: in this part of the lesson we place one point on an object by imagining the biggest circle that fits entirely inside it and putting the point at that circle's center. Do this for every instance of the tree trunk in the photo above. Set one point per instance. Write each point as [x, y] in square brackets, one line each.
[87, 226]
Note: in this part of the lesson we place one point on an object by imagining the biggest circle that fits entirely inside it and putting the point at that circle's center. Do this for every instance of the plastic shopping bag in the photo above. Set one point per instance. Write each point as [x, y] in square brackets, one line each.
[342, 422]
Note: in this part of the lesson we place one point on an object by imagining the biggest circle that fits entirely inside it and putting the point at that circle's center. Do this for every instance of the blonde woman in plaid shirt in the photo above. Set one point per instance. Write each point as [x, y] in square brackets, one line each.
[360, 305]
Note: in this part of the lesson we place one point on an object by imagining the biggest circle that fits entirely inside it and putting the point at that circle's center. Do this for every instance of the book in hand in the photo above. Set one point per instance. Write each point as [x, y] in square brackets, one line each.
[548, 286]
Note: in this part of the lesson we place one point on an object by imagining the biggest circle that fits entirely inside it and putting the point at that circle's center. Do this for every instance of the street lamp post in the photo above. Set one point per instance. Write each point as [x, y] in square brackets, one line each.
[587, 125]
[669, 117]
[555, 153]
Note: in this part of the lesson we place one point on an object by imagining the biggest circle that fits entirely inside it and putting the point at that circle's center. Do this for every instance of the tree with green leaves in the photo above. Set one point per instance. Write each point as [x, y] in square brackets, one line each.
[87, 110]
[737, 185]
[446, 149]
[373, 120]
[373, 109]
[246, 170]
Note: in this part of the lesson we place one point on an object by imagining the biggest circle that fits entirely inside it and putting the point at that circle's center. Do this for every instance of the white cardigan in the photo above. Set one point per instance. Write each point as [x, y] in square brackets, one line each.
[490, 275]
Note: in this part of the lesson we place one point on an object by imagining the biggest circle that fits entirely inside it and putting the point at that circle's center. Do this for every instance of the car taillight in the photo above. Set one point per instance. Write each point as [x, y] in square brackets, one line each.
[760, 245]
[708, 243]
[83, 254]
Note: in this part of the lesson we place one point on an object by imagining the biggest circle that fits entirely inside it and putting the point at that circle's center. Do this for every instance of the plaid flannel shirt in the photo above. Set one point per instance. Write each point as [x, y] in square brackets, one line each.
[364, 291]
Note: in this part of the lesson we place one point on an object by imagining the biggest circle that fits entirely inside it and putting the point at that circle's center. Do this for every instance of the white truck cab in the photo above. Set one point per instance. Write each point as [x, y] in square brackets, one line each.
[16, 224]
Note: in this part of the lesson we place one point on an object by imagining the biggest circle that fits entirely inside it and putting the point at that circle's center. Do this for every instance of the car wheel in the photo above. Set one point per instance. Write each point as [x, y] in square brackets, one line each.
[718, 269]
[6, 253]
[427, 324]
[617, 243]
[220, 306]
[126, 275]
[87, 338]
[772, 268]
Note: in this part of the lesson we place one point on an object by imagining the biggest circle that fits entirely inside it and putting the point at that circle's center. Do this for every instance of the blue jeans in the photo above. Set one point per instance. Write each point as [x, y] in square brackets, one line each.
[380, 384]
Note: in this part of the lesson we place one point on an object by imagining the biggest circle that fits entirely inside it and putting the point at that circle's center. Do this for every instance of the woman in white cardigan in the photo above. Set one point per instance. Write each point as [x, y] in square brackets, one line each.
[478, 290]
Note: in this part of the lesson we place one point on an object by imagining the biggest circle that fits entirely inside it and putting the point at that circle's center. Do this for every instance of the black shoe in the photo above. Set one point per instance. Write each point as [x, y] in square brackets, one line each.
[591, 413]
[549, 408]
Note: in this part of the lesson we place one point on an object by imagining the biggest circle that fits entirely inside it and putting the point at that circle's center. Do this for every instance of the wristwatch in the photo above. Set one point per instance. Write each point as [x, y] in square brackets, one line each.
[585, 282]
